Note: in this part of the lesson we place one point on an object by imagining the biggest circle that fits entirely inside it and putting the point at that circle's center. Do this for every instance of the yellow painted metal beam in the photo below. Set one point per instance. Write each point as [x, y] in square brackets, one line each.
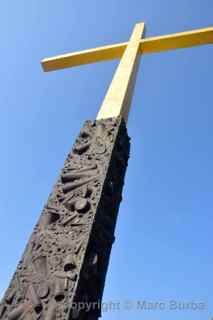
[84, 57]
[148, 45]
[119, 95]
[177, 40]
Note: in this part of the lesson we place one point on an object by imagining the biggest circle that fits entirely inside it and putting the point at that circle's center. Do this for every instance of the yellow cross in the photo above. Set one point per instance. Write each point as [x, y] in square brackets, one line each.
[118, 98]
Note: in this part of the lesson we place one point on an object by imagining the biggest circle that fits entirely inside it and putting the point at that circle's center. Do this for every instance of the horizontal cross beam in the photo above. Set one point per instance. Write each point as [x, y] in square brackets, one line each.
[148, 45]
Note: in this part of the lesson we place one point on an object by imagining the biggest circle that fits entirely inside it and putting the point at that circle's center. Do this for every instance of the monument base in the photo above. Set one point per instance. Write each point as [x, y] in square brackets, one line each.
[62, 272]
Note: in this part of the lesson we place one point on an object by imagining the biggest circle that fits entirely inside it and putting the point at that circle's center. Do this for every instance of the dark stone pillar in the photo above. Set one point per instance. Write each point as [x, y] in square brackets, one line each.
[63, 268]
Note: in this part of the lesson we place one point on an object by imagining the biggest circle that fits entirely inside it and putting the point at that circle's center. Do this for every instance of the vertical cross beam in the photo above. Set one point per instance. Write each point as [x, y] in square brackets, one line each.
[118, 98]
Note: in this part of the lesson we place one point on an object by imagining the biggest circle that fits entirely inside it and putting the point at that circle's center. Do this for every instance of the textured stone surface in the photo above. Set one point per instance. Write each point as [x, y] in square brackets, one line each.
[66, 259]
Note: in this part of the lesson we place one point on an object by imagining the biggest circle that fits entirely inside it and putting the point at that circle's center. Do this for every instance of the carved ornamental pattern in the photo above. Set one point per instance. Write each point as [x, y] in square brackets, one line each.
[67, 256]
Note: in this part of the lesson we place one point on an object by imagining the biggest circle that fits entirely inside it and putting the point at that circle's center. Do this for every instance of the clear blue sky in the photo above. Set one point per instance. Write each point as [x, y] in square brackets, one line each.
[163, 247]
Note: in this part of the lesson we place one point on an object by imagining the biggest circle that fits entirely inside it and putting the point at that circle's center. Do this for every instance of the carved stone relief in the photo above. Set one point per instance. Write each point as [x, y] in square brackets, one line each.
[67, 256]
